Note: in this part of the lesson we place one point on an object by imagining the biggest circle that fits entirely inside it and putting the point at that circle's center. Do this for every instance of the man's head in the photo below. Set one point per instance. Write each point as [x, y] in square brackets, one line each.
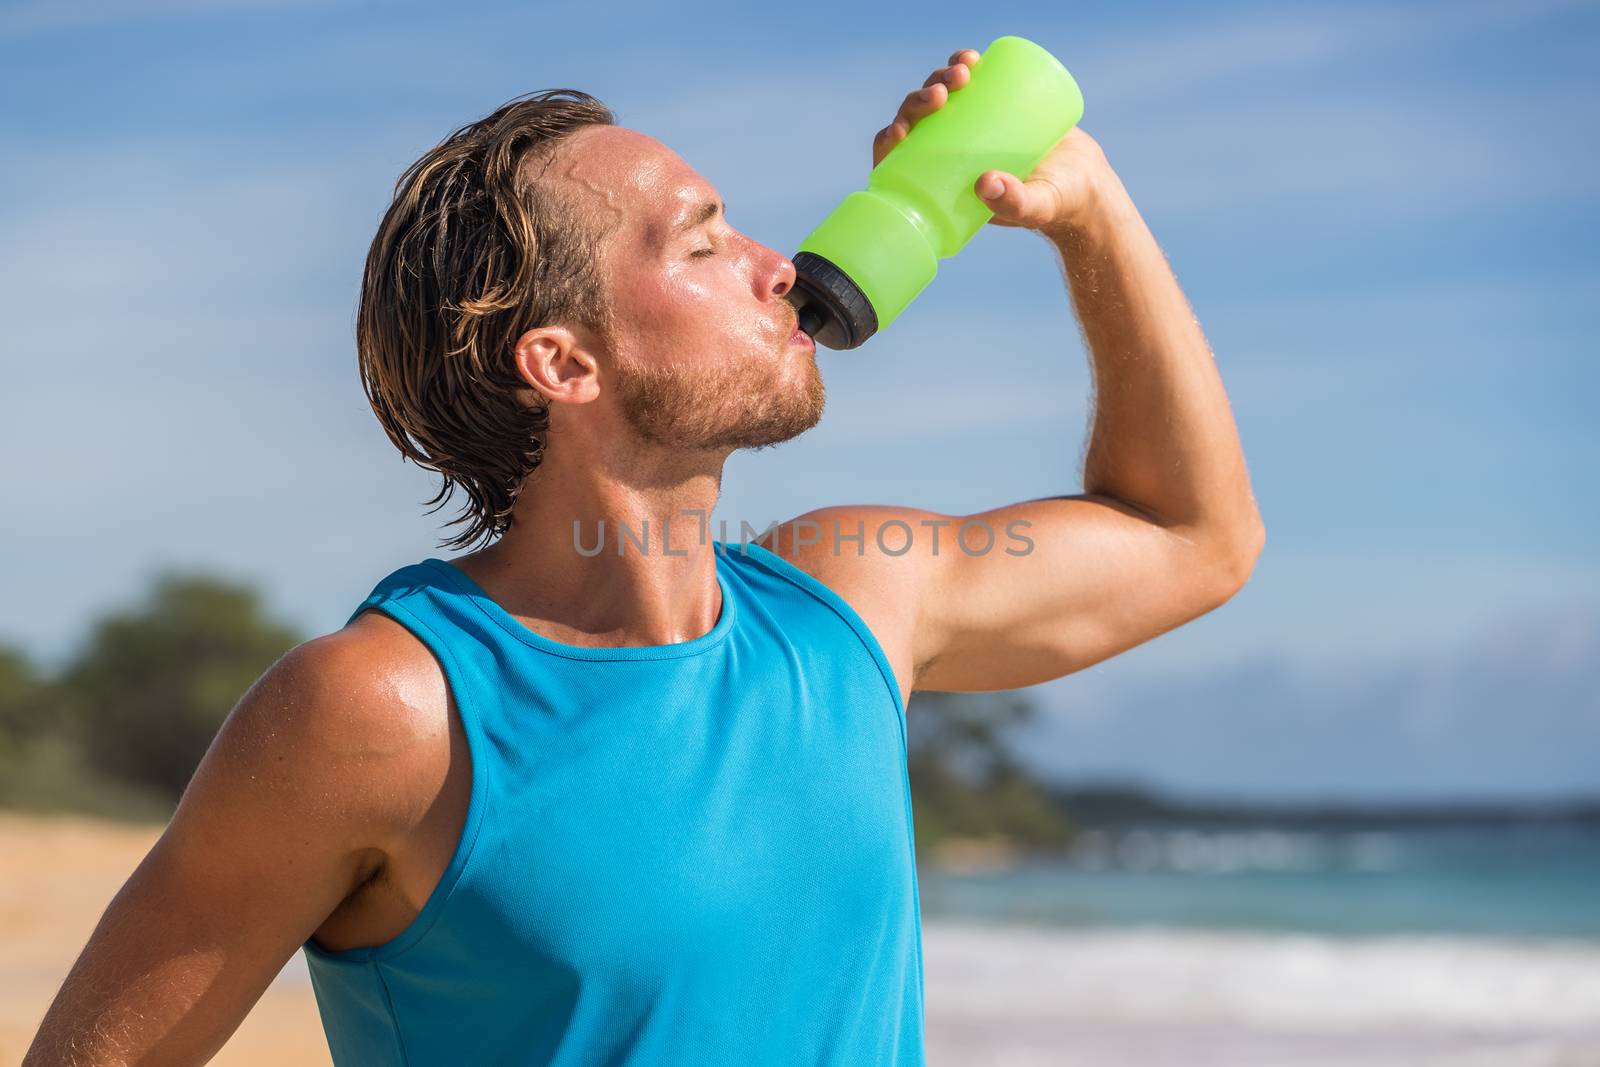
[548, 280]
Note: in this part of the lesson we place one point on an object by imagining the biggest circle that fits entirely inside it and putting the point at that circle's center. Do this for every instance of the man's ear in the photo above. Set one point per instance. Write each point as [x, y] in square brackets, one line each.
[560, 363]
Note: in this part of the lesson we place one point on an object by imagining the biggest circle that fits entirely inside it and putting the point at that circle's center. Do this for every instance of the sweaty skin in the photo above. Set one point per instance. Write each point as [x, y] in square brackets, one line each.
[346, 761]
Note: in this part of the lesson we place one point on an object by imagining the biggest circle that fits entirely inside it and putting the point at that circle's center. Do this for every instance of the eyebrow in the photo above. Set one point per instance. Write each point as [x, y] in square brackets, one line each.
[703, 214]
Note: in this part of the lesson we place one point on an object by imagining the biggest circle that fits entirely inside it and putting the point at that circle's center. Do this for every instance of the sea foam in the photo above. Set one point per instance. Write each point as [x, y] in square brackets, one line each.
[1001, 994]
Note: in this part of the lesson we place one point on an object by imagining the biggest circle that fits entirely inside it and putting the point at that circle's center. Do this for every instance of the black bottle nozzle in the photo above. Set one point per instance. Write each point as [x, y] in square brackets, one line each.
[811, 319]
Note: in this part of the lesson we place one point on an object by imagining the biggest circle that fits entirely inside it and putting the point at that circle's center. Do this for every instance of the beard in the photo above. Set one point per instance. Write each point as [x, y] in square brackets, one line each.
[726, 407]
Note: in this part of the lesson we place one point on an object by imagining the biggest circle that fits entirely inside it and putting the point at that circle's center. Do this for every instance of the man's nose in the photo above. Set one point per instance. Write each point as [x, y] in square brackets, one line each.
[782, 275]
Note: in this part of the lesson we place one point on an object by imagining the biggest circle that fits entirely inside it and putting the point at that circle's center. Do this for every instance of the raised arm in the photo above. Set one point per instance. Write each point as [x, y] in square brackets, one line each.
[320, 766]
[1167, 527]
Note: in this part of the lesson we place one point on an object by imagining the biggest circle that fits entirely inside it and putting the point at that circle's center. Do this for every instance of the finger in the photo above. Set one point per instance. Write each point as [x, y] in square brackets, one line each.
[1002, 193]
[921, 102]
[886, 139]
[968, 56]
[952, 77]
[1018, 203]
[1007, 196]
[918, 104]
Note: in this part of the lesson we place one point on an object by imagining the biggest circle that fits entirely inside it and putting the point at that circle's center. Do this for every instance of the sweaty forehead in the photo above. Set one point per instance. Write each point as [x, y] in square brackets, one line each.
[639, 188]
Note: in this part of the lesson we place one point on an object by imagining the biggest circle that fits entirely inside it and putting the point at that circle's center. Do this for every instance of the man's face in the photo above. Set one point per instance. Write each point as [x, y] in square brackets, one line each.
[704, 353]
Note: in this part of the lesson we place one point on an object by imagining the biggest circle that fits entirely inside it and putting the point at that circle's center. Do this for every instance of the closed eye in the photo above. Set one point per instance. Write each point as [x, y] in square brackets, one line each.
[703, 252]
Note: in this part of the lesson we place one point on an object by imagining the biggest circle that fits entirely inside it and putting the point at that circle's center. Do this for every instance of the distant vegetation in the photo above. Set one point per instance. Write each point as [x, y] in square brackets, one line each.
[967, 786]
[1119, 807]
[118, 730]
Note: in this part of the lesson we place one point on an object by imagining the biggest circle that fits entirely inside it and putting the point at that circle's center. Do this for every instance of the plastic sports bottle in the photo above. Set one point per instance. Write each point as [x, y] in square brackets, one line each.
[872, 255]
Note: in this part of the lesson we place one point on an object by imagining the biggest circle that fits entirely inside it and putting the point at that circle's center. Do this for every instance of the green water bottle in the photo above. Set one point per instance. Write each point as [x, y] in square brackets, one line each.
[881, 246]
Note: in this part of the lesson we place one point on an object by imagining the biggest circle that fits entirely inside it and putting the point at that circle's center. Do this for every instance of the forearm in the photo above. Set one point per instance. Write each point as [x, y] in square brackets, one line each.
[1162, 437]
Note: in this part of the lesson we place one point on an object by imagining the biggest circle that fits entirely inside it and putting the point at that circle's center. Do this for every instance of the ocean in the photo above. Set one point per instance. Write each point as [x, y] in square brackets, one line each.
[1524, 880]
[1405, 947]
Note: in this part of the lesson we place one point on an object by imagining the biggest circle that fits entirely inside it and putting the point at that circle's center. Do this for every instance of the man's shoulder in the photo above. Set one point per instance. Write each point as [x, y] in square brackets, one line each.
[372, 659]
[363, 706]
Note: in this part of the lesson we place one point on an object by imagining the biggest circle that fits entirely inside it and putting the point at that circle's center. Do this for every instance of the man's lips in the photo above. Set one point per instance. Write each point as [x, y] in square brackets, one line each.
[800, 337]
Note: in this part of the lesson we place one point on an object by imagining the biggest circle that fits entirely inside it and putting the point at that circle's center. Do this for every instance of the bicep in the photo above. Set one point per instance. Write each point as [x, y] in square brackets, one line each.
[1063, 583]
[266, 842]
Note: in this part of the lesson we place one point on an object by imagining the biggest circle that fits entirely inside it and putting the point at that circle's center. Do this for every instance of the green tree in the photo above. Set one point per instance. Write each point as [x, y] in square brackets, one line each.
[41, 766]
[965, 782]
[152, 686]
[24, 702]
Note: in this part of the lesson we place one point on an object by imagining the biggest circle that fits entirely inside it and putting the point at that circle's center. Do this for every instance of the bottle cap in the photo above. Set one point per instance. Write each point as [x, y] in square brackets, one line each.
[833, 309]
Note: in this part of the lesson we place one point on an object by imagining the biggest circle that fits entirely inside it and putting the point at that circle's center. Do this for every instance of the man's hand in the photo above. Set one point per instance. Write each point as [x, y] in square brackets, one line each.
[1055, 197]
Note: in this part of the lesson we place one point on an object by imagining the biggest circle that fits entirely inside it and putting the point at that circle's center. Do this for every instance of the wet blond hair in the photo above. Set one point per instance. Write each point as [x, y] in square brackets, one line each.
[476, 249]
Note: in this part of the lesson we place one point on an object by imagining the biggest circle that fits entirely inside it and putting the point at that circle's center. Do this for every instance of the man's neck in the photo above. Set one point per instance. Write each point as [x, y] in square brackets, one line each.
[608, 561]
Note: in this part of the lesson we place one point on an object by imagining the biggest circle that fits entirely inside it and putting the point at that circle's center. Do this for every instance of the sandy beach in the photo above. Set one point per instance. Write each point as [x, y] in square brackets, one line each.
[996, 996]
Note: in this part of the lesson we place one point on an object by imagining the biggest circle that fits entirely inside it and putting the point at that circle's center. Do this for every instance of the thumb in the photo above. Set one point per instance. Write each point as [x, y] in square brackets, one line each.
[1014, 201]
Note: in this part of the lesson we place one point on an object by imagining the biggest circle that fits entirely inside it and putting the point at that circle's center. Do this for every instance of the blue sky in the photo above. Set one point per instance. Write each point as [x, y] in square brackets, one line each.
[1385, 216]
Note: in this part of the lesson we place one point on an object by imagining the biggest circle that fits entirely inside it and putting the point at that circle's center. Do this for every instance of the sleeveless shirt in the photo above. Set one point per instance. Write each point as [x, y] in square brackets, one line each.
[693, 853]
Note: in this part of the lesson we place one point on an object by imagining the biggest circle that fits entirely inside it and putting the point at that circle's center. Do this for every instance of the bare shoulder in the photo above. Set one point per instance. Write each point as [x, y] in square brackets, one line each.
[876, 558]
[362, 713]
[335, 758]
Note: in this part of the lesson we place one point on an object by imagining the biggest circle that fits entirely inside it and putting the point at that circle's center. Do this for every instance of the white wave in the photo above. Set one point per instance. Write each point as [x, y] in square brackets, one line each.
[1190, 851]
[1006, 995]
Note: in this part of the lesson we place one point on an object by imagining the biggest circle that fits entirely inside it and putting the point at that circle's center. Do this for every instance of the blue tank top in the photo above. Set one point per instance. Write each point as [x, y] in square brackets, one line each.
[694, 853]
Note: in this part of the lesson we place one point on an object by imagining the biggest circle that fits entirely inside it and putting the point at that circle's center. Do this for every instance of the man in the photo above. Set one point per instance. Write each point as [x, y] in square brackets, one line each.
[553, 803]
